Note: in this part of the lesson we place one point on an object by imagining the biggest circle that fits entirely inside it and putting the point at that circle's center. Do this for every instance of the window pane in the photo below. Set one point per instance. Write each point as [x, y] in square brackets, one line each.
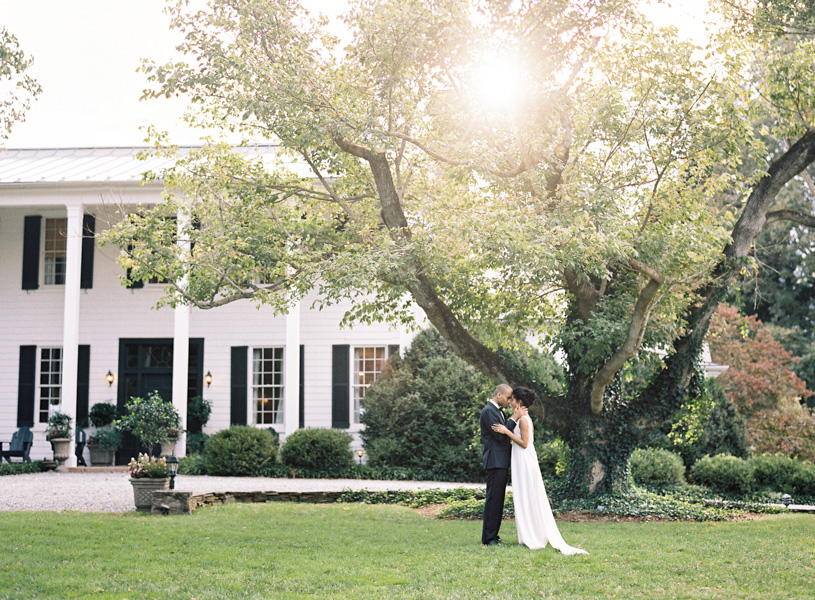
[368, 364]
[50, 381]
[267, 385]
[54, 251]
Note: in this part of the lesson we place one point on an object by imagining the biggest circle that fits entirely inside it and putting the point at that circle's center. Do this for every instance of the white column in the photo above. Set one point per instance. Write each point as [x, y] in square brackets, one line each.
[70, 319]
[291, 361]
[181, 346]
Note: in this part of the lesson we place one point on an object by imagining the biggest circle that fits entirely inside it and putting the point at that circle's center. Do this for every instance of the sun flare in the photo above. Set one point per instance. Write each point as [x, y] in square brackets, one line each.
[498, 84]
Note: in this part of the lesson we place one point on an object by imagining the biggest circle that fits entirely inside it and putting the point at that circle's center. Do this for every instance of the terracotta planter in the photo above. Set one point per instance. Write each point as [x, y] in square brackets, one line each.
[62, 449]
[101, 456]
[143, 489]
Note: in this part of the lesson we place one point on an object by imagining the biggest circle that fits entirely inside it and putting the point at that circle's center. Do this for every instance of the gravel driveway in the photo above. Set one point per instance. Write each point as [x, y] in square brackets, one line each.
[111, 492]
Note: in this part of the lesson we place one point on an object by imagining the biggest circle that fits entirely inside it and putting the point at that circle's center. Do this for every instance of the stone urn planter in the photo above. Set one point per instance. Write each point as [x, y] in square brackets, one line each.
[62, 449]
[168, 447]
[101, 456]
[143, 489]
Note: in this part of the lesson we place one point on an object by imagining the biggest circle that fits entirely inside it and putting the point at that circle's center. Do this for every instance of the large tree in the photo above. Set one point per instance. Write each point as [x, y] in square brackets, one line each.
[17, 87]
[514, 168]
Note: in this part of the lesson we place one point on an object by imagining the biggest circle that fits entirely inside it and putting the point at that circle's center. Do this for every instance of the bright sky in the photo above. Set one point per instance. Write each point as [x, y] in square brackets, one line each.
[86, 53]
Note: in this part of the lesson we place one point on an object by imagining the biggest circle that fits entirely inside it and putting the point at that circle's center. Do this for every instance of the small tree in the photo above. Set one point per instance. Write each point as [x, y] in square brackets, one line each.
[150, 419]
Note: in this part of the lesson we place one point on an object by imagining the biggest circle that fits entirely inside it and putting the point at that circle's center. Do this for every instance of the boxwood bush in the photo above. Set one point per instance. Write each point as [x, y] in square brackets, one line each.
[654, 466]
[326, 450]
[784, 474]
[239, 450]
[724, 473]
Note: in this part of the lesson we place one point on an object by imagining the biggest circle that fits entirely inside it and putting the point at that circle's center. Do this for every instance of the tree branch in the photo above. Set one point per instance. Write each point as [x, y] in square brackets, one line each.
[633, 340]
[786, 214]
[416, 282]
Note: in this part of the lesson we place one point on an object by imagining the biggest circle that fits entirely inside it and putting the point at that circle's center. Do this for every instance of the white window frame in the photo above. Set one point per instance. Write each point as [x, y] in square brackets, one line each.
[280, 414]
[52, 408]
[43, 250]
[360, 384]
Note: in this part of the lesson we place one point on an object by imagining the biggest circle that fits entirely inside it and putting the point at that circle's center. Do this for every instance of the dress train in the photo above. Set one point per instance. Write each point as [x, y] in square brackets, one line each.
[533, 516]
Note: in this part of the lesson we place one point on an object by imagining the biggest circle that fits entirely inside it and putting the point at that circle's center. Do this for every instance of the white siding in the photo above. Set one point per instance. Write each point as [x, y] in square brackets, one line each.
[109, 311]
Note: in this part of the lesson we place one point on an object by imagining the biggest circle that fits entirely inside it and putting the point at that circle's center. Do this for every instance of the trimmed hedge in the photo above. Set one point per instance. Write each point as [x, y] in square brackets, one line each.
[724, 473]
[239, 450]
[654, 466]
[325, 450]
[784, 474]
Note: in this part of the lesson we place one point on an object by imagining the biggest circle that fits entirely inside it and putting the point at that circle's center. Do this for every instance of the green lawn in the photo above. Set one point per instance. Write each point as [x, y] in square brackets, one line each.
[286, 550]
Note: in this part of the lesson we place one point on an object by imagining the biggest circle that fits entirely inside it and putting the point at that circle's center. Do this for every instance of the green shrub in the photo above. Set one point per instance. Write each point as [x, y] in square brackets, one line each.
[421, 414]
[327, 450]
[102, 413]
[553, 458]
[724, 473]
[653, 466]
[192, 464]
[774, 472]
[196, 442]
[784, 474]
[198, 412]
[803, 482]
[107, 438]
[20, 468]
[239, 450]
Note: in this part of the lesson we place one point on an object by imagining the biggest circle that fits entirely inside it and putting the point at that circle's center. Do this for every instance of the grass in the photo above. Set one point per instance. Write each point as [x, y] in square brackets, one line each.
[283, 550]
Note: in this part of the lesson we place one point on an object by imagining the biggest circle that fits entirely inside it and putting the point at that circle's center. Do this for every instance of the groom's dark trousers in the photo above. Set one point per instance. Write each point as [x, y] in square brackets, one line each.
[497, 452]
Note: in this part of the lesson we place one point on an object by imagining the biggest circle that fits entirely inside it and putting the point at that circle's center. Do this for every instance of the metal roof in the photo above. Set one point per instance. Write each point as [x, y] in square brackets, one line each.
[90, 165]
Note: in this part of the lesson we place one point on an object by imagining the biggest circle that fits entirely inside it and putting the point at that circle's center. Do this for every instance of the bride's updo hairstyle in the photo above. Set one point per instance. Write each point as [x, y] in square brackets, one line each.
[525, 396]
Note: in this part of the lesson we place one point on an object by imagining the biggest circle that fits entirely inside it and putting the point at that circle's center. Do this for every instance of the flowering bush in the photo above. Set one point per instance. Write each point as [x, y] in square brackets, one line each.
[150, 419]
[59, 427]
[147, 466]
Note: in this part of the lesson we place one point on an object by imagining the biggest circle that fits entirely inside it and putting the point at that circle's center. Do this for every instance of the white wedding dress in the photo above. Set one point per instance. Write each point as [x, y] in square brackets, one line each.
[533, 516]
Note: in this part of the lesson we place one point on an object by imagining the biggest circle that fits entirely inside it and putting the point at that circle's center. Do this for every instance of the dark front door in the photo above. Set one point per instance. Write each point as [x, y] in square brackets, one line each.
[146, 365]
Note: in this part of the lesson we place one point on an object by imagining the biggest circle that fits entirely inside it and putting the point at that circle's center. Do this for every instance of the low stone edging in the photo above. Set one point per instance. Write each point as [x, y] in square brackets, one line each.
[176, 503]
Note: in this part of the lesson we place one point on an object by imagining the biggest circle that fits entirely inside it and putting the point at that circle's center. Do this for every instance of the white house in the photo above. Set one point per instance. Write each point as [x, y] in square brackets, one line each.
[67, 321]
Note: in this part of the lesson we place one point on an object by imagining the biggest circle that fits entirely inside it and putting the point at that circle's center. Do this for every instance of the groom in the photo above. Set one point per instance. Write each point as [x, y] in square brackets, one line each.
[497, 452]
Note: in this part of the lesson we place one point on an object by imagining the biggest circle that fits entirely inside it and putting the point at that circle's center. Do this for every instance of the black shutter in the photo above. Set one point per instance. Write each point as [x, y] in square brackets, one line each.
[301, 387]
[26, 385]
[83, 374]
[31, 252]
[88, 231]
[393, 350]
[340, 386]
[239, 399]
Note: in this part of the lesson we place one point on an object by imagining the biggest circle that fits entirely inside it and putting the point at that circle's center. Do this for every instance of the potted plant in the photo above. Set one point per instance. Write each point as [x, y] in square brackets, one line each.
[150, 419]
[58, 432]
[102, 445]
[104, 442]
[147, 474]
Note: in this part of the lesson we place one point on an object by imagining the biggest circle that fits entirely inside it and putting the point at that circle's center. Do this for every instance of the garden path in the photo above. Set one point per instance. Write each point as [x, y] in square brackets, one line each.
[111, 491]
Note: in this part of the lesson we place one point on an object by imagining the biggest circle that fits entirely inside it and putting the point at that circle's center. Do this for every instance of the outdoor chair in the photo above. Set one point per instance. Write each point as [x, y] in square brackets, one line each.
[20, 445]
[81, 439]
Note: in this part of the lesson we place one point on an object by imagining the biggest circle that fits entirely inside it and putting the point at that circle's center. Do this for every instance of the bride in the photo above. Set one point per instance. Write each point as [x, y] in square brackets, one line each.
[533, 516]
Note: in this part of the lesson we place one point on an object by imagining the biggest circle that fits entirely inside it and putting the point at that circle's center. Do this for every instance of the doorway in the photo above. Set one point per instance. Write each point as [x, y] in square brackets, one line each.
[146, 365]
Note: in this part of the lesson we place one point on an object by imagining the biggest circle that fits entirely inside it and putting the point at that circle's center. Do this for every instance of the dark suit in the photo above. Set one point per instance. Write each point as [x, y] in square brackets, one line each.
[497, 453]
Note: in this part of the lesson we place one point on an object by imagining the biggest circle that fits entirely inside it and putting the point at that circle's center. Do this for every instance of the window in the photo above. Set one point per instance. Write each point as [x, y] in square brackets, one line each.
[267, 385]
[368, 364]
[56, 234]
[50, 380]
